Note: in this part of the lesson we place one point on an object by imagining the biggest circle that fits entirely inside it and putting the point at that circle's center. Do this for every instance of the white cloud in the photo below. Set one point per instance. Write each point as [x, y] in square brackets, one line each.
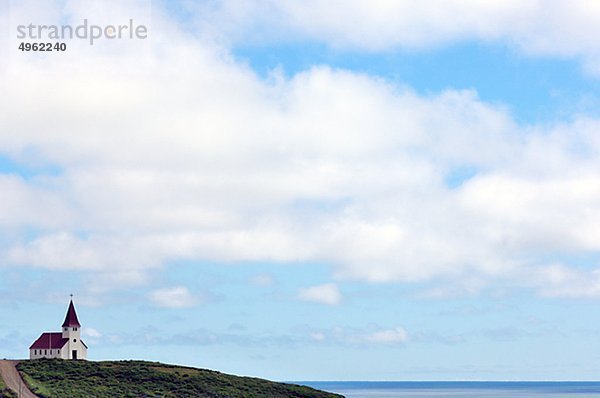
[370, 335]
[388, 336]
[559, 281]
[90, 332]
[556, 28]
[173, 297]
[323, 294]
[31, 203]
[176, 152]
[262, 280]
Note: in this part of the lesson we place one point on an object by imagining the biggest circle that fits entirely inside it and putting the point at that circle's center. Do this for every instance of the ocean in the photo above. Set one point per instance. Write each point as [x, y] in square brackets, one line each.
[356, 389]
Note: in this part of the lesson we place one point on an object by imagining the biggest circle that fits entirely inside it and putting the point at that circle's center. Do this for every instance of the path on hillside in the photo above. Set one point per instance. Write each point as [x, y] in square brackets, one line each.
[12, 378]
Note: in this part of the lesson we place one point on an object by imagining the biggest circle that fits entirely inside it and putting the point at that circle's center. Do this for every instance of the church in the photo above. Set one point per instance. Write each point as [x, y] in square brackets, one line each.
[64, 345]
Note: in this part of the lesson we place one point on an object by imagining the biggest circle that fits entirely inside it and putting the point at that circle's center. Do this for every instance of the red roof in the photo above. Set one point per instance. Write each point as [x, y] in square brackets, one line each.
[71, 318]
[51, 341]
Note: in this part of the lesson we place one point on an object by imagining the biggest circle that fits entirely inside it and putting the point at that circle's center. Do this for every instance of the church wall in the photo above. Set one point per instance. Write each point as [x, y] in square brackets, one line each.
[74, 336]
[47, 353]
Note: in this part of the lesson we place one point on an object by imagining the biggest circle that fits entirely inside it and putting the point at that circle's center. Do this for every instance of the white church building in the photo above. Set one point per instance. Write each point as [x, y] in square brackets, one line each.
[64, 345]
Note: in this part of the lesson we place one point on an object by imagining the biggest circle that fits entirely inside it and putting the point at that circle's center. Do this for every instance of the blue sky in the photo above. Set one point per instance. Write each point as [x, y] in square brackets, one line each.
[380, 191]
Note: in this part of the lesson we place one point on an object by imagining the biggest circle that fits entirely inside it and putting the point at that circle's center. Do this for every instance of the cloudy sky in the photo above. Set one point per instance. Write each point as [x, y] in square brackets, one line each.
[308, 190]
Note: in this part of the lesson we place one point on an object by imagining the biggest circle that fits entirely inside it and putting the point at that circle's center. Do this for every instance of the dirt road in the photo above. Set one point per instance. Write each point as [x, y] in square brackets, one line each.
[13, 380]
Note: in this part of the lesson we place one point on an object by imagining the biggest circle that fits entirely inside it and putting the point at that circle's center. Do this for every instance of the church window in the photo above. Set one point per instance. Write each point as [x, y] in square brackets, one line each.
[74, 340]
[45, 352]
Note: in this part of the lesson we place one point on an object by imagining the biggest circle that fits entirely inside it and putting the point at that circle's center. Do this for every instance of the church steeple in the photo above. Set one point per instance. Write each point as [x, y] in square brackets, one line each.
[71, 318]
[71, 333]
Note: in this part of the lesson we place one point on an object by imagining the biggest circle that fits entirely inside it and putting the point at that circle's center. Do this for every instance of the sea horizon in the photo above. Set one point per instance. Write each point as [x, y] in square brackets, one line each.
[458, 389]
[444, 381]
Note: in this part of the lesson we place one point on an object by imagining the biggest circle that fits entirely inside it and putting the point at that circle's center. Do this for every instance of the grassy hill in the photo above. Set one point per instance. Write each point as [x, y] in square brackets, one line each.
[74, 379]
[5, 392]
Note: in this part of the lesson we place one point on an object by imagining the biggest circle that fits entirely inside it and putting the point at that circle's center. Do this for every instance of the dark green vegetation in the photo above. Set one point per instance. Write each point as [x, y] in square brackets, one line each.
[73, 379]
[5, 392]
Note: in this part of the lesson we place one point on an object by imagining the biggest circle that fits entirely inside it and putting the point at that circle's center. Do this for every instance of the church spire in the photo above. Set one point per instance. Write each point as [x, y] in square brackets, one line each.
[71, 318]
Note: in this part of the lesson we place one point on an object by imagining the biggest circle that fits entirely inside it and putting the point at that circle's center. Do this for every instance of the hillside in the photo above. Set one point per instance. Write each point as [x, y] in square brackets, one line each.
[5, 392]
[8, 372]
[75, 379]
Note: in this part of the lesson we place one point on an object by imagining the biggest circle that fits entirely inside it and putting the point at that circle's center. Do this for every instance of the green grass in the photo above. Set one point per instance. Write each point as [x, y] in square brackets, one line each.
[5, 392]
[132, 379]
